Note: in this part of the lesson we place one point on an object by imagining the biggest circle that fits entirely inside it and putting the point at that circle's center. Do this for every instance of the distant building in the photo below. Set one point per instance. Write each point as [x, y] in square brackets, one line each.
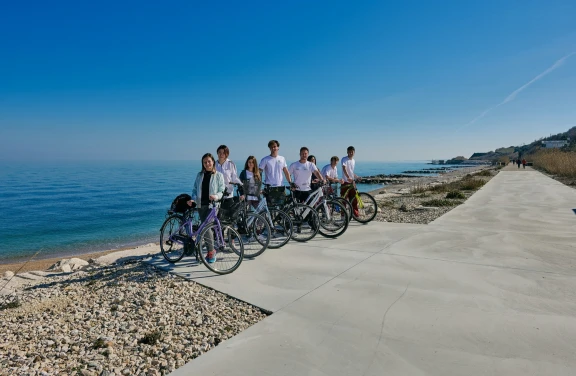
[555, 144]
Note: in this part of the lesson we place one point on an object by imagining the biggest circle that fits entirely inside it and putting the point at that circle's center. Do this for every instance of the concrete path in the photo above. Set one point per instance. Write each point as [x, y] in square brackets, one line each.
[487, 289]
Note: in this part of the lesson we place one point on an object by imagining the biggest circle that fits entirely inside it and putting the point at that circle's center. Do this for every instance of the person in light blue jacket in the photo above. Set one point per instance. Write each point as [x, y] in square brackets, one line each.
[208, 186]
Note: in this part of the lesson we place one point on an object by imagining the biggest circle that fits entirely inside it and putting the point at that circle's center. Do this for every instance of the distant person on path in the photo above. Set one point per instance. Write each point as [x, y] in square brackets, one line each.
[209, 185]
[523, 163]
[518, 162]
[348, 165]
[228, 169]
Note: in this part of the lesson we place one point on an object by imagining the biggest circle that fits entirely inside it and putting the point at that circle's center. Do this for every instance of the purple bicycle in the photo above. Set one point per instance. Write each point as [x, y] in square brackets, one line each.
[219, 247]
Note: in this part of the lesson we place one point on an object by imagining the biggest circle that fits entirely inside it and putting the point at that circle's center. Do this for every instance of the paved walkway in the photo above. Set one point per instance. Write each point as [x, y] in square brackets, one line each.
[488, 289]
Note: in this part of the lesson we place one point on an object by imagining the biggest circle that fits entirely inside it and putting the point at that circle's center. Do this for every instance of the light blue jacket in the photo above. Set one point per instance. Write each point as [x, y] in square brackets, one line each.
[216, 187]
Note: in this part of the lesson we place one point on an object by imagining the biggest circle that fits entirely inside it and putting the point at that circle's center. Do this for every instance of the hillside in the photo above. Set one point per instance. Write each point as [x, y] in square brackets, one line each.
[513, 152]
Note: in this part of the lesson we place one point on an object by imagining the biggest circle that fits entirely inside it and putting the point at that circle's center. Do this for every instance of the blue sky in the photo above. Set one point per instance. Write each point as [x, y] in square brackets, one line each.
[407, 80]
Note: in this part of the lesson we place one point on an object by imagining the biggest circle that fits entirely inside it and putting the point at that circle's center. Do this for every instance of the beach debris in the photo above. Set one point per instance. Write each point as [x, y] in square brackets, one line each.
[8, 274]
[69, 265]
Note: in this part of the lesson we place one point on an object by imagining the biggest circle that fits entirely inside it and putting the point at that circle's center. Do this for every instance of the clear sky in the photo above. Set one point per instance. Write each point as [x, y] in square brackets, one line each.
[399, 80]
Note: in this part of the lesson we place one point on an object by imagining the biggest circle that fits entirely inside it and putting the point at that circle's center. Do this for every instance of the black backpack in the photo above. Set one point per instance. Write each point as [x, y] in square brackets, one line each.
[180, 205]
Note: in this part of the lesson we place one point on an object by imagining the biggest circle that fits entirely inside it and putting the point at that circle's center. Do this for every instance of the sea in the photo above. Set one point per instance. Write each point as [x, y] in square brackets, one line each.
[69, 208]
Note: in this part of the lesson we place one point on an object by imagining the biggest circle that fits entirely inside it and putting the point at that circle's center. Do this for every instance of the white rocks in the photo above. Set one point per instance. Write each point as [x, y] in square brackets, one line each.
[8, 274]
[69, 324]
[69, 265]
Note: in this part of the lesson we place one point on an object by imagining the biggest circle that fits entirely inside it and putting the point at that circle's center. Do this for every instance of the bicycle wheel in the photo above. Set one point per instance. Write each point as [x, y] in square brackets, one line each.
[305, 222]
[343, 204]
[226, 249]
[367, 208]
[256, 234]
[280, 227]
[333, 219]
[174, 242]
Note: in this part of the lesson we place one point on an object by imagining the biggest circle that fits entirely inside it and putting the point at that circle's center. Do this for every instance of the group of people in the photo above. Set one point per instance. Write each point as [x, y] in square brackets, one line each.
[219, 176]
[521, 162]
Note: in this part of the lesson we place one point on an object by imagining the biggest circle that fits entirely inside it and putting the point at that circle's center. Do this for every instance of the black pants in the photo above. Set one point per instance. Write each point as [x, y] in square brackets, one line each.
[301, 196]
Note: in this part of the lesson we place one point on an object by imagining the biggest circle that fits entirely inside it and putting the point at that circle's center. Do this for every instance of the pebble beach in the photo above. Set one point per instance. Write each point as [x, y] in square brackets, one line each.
[113, 314]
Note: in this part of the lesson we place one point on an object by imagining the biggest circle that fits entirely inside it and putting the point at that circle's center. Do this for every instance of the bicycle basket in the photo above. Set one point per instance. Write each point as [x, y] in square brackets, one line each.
[180, 203]
[228, 213]
[251, 189]
[276, 196]
[327, 190]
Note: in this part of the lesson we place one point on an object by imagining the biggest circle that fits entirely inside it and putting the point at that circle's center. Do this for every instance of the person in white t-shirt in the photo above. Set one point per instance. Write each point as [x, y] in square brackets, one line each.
[302, 172]
[348, 164]
[273, 166]
[330, 171]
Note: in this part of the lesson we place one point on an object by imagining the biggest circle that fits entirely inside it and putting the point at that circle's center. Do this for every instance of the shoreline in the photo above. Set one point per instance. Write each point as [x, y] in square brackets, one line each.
[43, 263]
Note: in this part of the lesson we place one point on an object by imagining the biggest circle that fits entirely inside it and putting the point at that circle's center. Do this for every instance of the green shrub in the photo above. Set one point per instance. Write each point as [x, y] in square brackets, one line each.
[484, 173]
[472, 184]
[440, 203]
[419, 189]
[455, 194]
[150, 338]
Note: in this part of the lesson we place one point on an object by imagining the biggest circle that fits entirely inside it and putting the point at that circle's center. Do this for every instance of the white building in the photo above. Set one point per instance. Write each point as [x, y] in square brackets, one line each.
[555, 144]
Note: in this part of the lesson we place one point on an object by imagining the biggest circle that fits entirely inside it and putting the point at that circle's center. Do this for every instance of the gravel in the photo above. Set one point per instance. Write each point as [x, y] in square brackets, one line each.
[123, 319]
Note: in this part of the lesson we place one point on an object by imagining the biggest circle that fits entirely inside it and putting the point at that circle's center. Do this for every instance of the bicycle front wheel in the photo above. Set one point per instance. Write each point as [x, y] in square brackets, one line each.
[305, 222]
[343, 204]
[333, 219]
[280, 227]
[367, 208]
[174, 242]
[221, 252]
[256, 236]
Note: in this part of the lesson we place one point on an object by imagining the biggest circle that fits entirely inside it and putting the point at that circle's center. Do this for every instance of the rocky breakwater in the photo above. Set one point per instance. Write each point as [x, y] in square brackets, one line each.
[387, 179]
[127, 318]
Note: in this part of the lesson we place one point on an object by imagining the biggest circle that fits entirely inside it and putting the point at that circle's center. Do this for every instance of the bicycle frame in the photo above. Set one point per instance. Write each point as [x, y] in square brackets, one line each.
[316, 199]
[188, 226]
[357, 196]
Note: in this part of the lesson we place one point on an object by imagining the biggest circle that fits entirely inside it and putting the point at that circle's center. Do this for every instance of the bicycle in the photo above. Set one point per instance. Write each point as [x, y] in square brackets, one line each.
[252, 227]
[281, 226]
[333, 216]
[364, 202]
[183, 234]
[305, 219]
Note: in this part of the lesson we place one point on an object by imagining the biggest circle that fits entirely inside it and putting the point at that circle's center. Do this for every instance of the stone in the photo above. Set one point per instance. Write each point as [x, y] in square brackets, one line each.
[8, 274]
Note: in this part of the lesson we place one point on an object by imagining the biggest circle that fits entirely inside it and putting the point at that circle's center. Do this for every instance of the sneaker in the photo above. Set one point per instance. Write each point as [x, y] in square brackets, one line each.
[261, 239]
[211, 256]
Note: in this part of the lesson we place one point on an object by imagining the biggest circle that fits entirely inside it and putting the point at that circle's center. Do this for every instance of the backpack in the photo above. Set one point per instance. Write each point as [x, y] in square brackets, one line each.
[180, 205]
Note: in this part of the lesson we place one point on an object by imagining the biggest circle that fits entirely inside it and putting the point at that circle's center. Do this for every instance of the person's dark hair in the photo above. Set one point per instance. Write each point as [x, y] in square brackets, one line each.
[310, 157]
[225, 148]
[208, 155]
[272, 143]
[350, 148]
[334, 159]
[304, 148]
[256, 171]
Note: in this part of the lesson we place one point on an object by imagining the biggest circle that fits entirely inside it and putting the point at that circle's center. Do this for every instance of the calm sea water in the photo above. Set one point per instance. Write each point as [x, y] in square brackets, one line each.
[70, 208]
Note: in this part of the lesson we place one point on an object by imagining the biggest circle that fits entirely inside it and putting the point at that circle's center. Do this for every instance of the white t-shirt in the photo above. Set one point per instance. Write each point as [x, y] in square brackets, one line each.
[330, 172]
[302, 173]
[273, 168]
[228, 169]
[349, 164]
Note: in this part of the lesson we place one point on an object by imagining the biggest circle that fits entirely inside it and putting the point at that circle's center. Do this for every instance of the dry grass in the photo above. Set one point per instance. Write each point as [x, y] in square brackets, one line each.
[555, 162]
